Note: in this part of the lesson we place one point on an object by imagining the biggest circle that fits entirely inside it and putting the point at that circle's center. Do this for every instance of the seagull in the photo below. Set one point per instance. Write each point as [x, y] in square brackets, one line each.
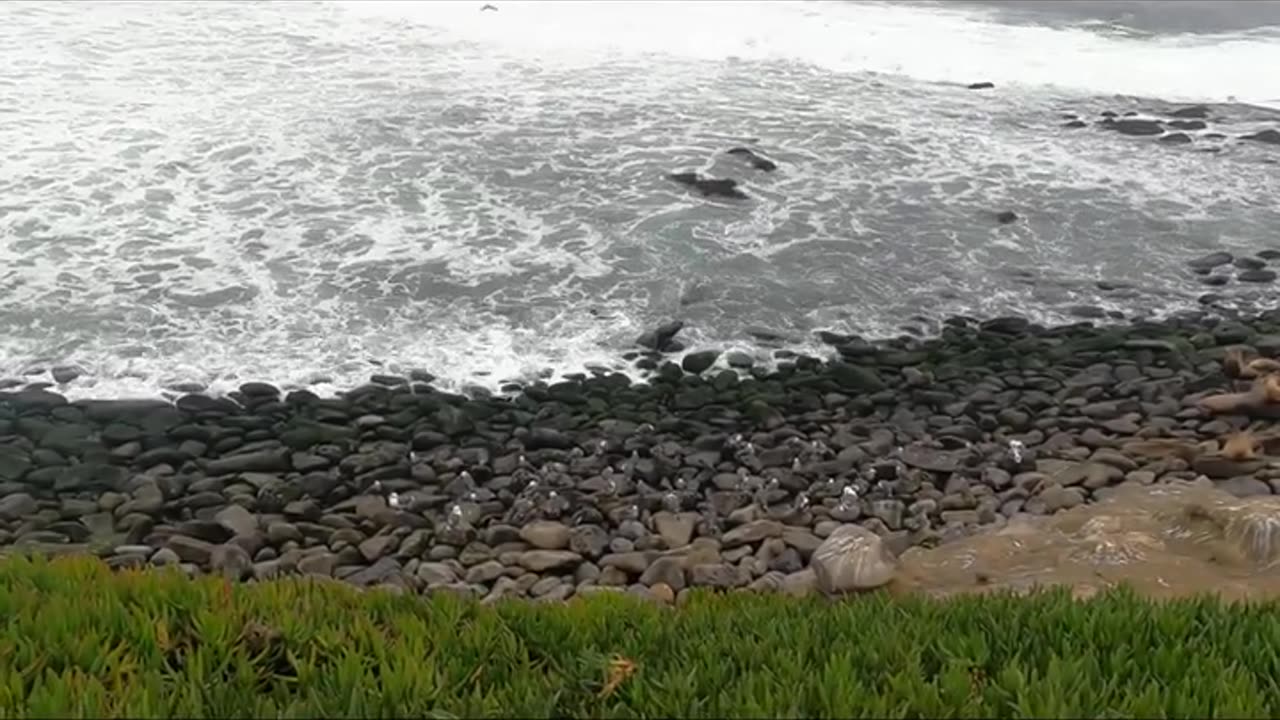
[488, 7]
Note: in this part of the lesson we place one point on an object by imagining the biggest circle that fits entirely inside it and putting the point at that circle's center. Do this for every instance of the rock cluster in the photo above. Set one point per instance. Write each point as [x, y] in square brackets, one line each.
[815, 475]
[1188, 125]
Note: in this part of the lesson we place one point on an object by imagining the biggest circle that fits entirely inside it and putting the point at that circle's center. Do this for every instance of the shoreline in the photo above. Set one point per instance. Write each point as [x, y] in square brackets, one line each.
[766, 348]
[717, 478]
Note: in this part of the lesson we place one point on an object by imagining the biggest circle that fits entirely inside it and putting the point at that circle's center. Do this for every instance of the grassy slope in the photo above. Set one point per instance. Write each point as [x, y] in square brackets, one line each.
[82, 641]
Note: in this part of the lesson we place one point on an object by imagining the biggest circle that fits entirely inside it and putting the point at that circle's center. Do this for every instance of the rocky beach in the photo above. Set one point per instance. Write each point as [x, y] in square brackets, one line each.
[817, 475]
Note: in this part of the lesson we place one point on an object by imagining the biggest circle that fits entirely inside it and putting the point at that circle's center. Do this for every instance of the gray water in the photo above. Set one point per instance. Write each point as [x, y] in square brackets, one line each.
[309, 192]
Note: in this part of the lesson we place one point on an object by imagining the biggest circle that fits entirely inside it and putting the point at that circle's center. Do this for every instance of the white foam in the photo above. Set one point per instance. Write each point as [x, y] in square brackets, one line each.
[939, 43]
[290, 191]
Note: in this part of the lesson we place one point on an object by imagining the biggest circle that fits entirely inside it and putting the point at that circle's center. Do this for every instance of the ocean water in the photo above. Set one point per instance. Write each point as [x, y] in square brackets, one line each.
[310, 192]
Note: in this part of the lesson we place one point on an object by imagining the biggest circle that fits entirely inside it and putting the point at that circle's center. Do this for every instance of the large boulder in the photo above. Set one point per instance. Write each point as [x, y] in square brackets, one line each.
[852, 558]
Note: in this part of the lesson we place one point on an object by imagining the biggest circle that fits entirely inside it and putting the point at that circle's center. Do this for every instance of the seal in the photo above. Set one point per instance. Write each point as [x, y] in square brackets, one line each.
[710, 187]
[757, 160]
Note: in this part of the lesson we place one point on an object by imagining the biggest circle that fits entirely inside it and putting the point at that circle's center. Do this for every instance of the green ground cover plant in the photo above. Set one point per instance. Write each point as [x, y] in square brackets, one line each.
[82, 641]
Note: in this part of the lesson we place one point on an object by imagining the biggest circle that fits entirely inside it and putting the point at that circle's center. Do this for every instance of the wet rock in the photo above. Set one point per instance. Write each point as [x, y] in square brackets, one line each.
[1256, 276]
[1176, 138]
[699, 362]
[661, 337]
[981, 85]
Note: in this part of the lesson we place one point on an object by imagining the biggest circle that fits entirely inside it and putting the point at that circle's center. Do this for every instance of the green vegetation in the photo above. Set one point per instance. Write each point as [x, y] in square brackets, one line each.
[81, 641]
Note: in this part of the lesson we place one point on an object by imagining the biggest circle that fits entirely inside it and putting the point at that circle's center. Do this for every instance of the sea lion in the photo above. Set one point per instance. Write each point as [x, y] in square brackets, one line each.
[1261, 399]
[710, 187]
[757, 160]
[1235, 365]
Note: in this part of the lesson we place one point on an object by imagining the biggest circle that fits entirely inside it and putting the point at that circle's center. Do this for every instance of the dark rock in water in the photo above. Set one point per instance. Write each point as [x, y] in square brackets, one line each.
[853, 377]
[1075, 124]
[1092, 312]
[1271, 137]
[1249, 263]
[1256, 276]
[1214, 280]
[1176, 138]
[1187, 124]
[63, 374]
[1136, 127]
[981, 86]
[757, 161]
[1112, 285]
[1108, 114]
[697, 362]
[1011, 325]
[1211, 261]
[1192, 111]
[710, 187]
[1006, 216]
[661, 338]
